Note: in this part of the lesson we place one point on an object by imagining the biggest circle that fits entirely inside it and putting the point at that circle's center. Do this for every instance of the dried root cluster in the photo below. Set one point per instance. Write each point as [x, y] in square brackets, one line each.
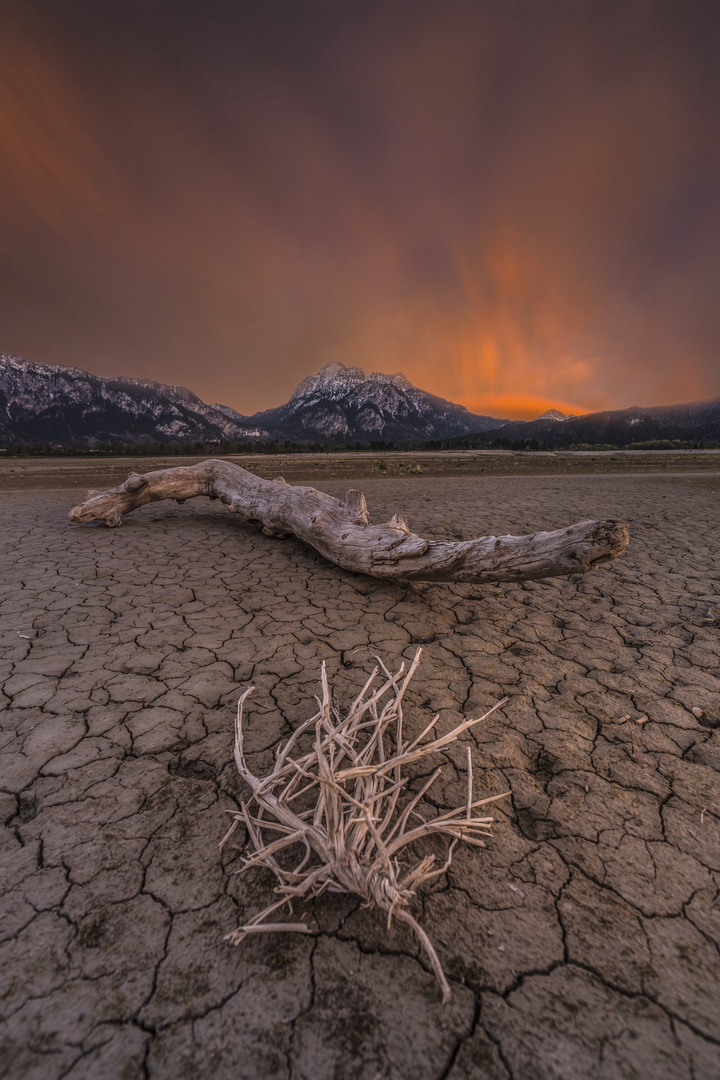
[336, 792]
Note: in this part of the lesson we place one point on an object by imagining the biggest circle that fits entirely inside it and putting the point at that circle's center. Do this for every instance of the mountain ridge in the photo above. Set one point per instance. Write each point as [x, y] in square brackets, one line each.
[341, 404]
[52, 403]
[58, 405]
[695, 421]
[61, 405]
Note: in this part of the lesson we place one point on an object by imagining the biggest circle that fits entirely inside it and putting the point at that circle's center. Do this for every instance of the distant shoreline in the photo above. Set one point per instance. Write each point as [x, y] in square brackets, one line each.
[21, 473]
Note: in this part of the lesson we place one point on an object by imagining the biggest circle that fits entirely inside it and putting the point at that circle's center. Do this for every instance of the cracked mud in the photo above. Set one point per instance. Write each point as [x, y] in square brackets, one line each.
[583, 941]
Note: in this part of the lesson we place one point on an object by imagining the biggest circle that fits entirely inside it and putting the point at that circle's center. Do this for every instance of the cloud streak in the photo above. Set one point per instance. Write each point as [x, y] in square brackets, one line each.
[514, 204]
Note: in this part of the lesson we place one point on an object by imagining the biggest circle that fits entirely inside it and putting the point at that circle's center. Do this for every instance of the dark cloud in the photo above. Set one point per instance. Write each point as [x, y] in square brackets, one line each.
[514, 203]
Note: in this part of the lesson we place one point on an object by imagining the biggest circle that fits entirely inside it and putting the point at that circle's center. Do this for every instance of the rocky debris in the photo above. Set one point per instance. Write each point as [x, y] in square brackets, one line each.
[582, 941]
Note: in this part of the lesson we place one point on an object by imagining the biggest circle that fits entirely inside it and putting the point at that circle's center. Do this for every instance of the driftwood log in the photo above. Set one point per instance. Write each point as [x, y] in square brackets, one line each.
[342, 532]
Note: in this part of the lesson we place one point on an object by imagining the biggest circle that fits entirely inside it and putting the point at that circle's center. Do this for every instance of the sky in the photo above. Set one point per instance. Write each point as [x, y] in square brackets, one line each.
[516, 204]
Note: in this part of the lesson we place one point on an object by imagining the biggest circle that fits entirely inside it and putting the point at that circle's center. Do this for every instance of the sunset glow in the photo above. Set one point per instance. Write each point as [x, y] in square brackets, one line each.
[518, 406]
[517, 209]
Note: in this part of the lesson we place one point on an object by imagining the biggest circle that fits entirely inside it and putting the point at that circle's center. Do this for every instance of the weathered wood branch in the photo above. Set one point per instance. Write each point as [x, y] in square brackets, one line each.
[342, 532]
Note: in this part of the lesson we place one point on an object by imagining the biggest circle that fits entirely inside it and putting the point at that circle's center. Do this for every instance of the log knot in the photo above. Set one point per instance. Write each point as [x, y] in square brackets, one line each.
[134, 483]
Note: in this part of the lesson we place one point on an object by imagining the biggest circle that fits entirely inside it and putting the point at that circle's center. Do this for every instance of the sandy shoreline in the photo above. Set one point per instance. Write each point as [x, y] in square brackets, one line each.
[583, 941]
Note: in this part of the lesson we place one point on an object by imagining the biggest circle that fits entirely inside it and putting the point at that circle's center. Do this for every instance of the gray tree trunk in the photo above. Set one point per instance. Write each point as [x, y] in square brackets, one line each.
[342, 532]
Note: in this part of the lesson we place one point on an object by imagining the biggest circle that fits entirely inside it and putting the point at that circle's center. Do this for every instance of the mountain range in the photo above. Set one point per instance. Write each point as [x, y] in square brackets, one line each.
[60, 406]
[339, 404]
[698, 422]
[47, 403]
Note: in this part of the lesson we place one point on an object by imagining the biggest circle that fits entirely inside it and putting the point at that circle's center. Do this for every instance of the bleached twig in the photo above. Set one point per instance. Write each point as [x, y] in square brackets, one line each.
[349, 821]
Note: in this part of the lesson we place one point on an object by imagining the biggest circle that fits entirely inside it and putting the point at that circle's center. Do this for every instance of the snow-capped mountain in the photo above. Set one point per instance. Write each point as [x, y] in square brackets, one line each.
[553, 414]
[48, 403]
[52, 404]
[342, 404]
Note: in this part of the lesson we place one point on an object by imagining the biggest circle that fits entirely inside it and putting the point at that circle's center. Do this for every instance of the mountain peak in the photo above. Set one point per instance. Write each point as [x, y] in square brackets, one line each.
[553, 414]
[337, 377]
[328, 376]
[339, 403]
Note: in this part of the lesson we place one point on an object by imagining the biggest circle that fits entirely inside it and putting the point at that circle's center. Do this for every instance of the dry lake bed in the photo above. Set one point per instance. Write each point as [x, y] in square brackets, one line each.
[583, 941]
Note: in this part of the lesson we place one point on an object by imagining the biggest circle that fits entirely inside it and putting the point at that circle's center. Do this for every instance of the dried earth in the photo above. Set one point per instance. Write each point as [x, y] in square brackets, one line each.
[583, 941]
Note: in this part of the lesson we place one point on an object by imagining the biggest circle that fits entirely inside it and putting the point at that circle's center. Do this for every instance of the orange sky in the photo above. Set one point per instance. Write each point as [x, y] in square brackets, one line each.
[515, 205]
